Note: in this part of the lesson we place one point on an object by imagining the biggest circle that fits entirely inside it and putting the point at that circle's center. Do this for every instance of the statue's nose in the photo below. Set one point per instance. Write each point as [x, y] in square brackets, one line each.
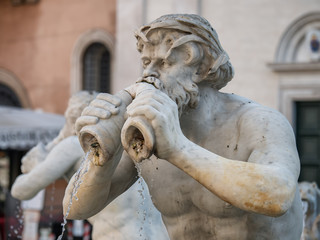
[151, 71]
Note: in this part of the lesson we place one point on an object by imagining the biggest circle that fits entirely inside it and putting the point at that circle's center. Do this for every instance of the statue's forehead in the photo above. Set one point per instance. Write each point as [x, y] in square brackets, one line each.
[159, 42]
[155, 50]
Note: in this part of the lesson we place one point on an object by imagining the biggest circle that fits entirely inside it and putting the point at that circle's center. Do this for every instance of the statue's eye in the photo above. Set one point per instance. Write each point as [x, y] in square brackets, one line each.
[145, 62]
[165, 63]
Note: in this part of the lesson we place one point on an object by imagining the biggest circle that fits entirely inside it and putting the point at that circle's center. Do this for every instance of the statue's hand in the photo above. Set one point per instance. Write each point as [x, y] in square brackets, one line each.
[162, 114]
[102, 107]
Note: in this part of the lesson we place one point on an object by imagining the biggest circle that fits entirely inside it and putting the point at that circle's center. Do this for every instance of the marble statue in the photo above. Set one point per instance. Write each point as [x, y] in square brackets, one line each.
[310, 196]
[59, 158]
[217, 165]
[43, 165]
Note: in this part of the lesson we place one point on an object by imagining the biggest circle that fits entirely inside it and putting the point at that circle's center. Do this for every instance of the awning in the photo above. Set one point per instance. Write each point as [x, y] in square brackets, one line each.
[22, 128]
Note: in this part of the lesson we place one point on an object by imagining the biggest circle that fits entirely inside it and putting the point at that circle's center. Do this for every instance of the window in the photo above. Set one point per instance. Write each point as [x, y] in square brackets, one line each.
[8, 97]
[308, 139]
[96, 68]
[81, 51]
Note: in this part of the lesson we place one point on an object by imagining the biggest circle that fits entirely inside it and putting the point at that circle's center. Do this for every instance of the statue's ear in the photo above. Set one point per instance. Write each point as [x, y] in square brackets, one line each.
[194, 53]
[199, 57]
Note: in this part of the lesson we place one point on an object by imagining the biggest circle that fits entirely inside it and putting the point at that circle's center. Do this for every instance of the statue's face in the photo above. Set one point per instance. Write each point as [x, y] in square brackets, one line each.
[171, 69]
[168, 70]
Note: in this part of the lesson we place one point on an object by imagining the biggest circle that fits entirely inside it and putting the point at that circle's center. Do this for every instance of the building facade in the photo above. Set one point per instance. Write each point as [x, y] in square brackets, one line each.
[42, 46]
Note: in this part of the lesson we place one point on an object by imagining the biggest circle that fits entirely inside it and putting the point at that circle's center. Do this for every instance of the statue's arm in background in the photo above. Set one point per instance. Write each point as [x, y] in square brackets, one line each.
[60, 159]
[265, 182]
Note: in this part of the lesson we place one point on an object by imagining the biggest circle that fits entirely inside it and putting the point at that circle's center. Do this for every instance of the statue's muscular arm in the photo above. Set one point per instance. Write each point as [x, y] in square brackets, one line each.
[100, 184]
[265, 183]
[61, 158]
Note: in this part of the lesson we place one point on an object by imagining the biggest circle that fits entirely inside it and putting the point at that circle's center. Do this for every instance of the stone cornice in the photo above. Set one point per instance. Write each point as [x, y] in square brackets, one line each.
[295, 67]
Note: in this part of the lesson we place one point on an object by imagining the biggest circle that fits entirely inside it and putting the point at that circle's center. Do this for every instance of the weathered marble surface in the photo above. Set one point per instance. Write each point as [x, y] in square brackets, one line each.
[131, 216]
[223, 166]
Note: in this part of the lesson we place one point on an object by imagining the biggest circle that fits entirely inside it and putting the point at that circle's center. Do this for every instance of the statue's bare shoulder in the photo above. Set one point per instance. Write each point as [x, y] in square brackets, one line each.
[266, 131]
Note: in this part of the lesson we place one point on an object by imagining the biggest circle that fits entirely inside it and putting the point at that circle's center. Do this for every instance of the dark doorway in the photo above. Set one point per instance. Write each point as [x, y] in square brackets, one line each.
[308, 140]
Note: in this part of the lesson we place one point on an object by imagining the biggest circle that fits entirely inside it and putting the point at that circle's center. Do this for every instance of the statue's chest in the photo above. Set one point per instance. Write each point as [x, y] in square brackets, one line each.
[175, 193]
[225, 141]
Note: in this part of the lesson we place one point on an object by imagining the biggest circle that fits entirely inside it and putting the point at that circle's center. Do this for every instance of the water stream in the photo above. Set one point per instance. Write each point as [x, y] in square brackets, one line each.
[83, 169]
[15, 230]
[52, 194]
[141, 192]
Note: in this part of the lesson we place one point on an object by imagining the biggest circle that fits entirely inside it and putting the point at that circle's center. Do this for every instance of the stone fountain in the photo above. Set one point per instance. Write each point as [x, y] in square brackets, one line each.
[217, 165]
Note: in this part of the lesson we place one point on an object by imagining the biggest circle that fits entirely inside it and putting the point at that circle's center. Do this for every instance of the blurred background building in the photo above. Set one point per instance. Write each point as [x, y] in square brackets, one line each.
[50, 49]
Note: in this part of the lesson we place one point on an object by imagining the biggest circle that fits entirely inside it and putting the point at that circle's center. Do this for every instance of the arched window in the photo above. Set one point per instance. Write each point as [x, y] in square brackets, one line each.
[12, 92]
[8, 97]
[92, 62]
[96, 68]
[295, 44]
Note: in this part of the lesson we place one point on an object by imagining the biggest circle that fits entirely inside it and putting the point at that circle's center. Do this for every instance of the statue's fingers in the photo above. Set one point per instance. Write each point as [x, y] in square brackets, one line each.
[83, 121]
[97, 103]
[164, 99]
[116, 101]
[97, 112]
[157, 95]
[148, 112]
[146, 101]
[170, 106]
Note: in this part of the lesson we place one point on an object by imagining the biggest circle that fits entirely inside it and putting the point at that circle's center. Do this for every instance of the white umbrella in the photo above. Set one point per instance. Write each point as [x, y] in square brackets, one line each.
[23, 128]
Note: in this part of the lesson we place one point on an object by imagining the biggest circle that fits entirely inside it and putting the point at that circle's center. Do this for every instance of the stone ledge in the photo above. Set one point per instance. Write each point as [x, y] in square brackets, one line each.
[294, 67]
